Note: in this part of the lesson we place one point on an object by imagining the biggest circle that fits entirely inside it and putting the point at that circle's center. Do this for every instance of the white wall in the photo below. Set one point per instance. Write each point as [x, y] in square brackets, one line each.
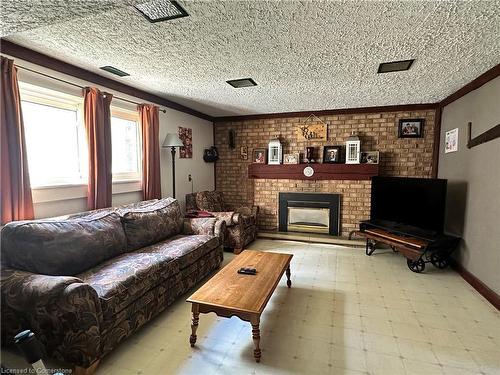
[71, 199]
[473, 202]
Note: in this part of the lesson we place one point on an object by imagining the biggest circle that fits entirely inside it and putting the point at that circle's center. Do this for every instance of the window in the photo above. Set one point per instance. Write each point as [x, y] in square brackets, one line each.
[53, 132]
[56, 143]
[126, 145]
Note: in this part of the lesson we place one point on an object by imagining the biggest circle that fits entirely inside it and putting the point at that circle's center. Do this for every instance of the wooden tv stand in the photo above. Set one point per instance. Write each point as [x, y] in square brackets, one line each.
[417, 251]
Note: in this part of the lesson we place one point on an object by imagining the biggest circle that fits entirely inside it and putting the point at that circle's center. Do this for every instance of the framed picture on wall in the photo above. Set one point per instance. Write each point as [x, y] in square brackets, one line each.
[331, 154]
[259, 156]
[451, 141]
[411, 128]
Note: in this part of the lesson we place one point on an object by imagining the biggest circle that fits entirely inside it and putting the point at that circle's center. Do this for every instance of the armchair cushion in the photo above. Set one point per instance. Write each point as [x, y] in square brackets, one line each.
[63, 247]
[210, 201]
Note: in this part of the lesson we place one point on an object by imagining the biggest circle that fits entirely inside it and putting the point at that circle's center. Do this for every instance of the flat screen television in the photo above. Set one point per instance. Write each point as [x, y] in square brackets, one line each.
[416, 202]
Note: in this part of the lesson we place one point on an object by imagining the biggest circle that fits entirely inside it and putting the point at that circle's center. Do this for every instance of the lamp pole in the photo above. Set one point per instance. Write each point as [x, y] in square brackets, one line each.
[172, 140]
[172, 150]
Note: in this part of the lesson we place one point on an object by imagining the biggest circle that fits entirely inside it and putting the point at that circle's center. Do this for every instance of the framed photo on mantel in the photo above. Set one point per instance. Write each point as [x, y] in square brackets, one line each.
[332, 154]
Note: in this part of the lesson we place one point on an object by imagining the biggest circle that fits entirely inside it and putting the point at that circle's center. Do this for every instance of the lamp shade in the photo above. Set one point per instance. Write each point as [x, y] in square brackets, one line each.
[172, 140]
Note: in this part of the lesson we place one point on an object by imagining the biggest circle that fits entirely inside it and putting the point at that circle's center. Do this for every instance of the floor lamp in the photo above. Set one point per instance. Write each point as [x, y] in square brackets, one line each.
[172, 140]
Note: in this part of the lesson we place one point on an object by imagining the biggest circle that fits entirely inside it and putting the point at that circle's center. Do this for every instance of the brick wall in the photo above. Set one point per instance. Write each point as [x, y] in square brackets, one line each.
[377, 131]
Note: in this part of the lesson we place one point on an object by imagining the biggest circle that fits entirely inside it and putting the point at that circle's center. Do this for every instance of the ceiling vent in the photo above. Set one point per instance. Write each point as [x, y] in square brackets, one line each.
[115, 71]
[395, 66]
[242, 82]
[161, 10]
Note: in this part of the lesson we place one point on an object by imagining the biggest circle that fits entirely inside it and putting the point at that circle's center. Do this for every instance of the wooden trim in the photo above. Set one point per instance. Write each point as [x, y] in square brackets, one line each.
[478, 82]
[332, 112]
[477, 284]
[487, 136]
[215, 163]
[436, 142]
[321, 171]
[52, 63]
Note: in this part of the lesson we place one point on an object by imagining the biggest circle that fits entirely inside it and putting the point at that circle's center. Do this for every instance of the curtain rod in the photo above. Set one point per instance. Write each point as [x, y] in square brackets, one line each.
[76, 85]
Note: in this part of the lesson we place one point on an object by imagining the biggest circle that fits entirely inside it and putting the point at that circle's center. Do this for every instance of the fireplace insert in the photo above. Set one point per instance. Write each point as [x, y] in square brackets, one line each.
[309, 212]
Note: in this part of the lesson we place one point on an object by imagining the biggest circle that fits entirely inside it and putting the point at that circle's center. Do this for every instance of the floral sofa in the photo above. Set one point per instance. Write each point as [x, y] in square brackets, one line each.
[241, 222]
[84, 283]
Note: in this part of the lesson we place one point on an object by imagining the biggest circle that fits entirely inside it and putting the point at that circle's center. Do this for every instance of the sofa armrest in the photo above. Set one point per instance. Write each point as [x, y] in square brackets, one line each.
[205, 225]
[64, 313]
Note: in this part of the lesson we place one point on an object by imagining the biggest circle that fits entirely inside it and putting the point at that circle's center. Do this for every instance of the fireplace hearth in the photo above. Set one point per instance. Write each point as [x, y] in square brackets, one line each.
[309, 212]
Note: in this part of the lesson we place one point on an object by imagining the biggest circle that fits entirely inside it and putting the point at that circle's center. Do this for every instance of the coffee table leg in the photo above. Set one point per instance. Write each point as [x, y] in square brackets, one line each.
[194, 323]
[255, 320]
[288, 281]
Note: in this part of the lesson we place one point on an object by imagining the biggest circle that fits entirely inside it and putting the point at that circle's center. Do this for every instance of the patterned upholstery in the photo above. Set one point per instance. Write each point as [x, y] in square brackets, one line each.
[241, 223]
[210, 201]
[80, 318]
[147, 225]
[62, 247]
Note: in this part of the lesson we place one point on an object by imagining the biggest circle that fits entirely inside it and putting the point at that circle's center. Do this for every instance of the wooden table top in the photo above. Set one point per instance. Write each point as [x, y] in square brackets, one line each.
[248, 293]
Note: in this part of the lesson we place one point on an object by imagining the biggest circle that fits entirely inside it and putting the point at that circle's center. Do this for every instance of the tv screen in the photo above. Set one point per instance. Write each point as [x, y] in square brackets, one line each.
[418, 202]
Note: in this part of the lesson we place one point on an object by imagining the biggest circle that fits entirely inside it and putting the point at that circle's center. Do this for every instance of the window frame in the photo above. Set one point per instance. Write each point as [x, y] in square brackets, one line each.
[56, 99]
[126, 114]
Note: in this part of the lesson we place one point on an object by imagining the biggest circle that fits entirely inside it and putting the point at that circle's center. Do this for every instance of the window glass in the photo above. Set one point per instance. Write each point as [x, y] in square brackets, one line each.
[126, 147]
[53, 144]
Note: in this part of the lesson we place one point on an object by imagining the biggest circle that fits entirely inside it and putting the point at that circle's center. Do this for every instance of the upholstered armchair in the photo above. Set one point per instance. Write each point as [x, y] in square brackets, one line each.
[241, 222]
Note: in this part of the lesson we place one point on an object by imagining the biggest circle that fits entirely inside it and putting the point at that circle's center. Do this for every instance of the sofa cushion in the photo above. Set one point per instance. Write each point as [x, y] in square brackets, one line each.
[151, 223]
[210, 201]
[188, 249]
[120, 281]
[63, 247]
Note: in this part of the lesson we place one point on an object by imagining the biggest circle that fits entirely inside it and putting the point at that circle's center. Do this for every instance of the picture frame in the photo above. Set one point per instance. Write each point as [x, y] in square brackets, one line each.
[259, 156]
[291, 159]
[451, 141]
[332, 154]
[370, 157]
[411, 128]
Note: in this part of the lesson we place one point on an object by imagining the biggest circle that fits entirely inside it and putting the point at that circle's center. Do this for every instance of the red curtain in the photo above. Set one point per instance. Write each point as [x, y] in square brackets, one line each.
[150, 125]
[16, 202]
[97, 119]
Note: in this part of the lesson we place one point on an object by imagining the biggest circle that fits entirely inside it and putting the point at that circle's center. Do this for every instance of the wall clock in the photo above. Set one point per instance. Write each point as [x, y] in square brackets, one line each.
[308, 171]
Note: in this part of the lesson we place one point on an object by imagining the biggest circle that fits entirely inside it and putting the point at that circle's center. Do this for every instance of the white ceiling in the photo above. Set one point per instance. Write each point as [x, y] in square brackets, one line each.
[304, 55]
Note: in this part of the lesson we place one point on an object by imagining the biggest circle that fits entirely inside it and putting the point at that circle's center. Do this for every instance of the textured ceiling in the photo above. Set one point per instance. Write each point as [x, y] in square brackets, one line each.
[304, 55]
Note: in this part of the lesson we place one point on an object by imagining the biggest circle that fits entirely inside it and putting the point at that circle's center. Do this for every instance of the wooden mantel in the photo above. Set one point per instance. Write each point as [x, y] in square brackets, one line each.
[321, 171]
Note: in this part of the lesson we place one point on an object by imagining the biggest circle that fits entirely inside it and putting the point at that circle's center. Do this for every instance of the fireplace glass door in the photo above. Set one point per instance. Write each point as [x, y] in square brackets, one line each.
[302, 219]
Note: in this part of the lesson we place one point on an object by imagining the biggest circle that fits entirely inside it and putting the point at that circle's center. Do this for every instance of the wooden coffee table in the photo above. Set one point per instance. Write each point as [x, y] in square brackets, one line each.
[229, 293]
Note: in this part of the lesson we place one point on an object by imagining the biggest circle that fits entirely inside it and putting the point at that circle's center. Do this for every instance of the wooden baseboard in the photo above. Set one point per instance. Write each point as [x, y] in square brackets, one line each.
[477, 284]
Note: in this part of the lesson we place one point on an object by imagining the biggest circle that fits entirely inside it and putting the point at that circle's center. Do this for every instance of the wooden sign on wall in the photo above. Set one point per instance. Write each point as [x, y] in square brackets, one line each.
[312, 129]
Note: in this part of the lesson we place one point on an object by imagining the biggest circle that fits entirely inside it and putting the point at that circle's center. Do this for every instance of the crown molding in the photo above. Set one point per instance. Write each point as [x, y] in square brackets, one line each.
[331, 112]
[471, 86]
[27, 54]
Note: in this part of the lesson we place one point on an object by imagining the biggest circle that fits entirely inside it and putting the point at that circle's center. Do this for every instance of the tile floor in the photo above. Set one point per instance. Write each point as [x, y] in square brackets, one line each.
[346, 313]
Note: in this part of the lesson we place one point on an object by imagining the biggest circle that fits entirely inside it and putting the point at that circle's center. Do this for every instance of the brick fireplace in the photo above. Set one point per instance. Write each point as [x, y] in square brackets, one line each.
[378, 131]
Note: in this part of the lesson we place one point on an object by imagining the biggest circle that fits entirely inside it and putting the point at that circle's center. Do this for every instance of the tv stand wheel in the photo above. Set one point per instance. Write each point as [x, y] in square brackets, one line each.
[370, 247]
[416, 266]
[440, 260]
